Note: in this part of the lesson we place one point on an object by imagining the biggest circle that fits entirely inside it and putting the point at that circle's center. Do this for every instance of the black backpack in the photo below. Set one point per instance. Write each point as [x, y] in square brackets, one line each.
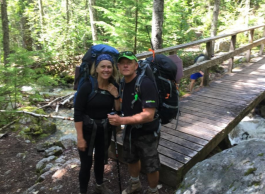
[82, 72]
[162, 71]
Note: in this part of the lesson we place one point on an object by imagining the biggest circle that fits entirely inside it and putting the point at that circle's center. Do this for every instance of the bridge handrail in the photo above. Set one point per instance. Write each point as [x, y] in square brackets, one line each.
[216, 60]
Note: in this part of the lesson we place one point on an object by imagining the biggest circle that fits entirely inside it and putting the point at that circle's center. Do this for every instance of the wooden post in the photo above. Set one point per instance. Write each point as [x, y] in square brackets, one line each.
[209, 50]
[173, 52]
[262, 45]
[232, 48]
[251, 35]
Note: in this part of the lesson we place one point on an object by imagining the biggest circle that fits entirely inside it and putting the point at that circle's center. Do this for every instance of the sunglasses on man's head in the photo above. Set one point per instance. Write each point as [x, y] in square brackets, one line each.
[126, 53]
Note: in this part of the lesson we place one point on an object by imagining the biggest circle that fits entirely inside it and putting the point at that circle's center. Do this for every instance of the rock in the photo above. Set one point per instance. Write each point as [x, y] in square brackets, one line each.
[42, 163]
[60, 161]
[31, 190]
[48, 127]
[57, 188]
[44, 175]
[55, 150]
[68, 141]
[72, 162]
[239, 169]
[47, 167]
[7, 172]
[27, 141]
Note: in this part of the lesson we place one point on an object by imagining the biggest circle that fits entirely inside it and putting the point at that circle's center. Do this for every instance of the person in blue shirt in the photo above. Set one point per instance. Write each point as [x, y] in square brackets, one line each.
[197, 75]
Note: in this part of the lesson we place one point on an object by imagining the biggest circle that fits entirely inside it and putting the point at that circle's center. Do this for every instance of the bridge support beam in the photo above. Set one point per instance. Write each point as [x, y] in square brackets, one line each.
[262, 45]
[232, 48]
[251, 38]
[209, 50]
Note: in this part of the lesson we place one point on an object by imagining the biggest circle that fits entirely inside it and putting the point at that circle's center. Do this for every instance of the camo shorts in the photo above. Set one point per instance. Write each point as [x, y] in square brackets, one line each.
[143, 148]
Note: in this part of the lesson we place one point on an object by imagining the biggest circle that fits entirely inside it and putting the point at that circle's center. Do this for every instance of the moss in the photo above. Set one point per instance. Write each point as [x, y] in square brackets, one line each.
[255, 183]
[42, 136]
[231, 185]
[250, 171]
[261, 154]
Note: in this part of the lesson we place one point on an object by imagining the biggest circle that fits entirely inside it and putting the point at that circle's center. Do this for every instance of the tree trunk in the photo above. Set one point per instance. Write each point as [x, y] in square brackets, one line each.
[67, 12]
[247, 12]
[39, 46]
[26, 32]
[86, 22]
[41, 14]
[135, 30]
[92, 20]
[215, 20]
[157, 23]
[5, 29]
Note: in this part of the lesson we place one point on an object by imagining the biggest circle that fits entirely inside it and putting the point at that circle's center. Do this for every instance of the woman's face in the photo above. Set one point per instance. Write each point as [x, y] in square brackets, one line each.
[104, 69]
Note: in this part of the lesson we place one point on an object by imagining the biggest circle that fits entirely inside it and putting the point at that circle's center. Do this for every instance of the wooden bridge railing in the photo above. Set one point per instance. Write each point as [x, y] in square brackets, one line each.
[216, 60]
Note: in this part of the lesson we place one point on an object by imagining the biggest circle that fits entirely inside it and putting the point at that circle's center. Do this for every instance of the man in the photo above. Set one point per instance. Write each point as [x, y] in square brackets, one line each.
[140, 141]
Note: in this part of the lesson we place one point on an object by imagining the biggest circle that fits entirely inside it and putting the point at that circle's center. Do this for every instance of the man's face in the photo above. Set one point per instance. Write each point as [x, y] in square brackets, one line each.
[127, 67]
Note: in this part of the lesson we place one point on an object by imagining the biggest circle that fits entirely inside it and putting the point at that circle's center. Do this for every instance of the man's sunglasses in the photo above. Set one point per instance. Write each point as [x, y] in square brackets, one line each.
[126, 53]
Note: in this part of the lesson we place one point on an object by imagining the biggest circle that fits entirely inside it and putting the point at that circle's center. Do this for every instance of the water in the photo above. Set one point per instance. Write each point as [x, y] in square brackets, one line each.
[249, 127]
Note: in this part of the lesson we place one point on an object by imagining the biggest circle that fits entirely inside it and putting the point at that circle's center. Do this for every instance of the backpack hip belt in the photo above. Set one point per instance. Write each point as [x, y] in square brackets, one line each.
[95, 122]
[138, 126]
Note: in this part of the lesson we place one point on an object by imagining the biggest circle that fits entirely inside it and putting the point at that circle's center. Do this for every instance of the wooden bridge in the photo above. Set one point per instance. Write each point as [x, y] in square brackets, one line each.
[208, 115]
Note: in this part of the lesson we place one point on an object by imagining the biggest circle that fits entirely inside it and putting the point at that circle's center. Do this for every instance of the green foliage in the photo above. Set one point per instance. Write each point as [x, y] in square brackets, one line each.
[21, 72]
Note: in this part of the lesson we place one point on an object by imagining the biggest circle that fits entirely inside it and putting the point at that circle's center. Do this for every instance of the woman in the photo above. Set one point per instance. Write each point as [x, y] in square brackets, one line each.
[93, 130]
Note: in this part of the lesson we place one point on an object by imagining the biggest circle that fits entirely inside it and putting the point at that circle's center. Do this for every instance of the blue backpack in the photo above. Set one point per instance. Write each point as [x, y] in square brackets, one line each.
[82, 72]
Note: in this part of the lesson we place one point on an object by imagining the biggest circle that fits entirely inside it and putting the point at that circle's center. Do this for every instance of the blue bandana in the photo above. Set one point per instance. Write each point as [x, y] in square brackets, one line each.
[103, 57]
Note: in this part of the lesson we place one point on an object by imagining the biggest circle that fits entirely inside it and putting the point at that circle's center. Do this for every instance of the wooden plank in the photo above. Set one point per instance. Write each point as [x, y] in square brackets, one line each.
[174, 155]
[224, 113]
[236, 91]
[220, 97]
[237, 88]
[199, 123]
[194, 102]
[212, 101]
[194, 130]
[172, 163]
[229, 94]
[202, 114]
[241, 85]
[203, 119]
[177, 148]
[184, 136]
[184, 143]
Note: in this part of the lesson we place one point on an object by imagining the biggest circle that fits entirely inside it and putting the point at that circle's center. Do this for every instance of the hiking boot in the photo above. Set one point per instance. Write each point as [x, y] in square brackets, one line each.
[134, 186]
[148, 191]
[102, 189]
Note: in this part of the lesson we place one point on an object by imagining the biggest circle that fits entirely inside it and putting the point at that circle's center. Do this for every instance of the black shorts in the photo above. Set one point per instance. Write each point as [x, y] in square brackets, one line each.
[143, 148]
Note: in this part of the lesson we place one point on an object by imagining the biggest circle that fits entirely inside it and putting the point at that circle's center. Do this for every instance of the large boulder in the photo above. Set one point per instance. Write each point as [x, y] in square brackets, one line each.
[240, 169]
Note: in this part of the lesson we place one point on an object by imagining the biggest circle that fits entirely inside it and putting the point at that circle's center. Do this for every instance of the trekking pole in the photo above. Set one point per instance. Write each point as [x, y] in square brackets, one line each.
[116, 152]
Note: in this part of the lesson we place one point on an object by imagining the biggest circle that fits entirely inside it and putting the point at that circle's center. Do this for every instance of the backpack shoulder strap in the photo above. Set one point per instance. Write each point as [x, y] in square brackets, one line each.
[94, 87]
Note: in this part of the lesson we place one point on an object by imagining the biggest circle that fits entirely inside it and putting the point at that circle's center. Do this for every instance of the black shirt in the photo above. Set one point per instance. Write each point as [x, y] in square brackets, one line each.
[148, 96]
[97, 108]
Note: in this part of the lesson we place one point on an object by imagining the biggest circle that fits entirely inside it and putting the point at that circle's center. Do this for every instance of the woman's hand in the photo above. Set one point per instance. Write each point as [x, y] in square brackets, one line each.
[113, 90]
[81, 144]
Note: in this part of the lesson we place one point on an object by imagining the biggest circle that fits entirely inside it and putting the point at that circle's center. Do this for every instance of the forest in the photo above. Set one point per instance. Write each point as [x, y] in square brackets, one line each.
[43, 41]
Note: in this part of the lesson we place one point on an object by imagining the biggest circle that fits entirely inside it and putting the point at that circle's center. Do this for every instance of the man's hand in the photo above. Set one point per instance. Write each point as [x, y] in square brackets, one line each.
[115, 120]
[81, 144]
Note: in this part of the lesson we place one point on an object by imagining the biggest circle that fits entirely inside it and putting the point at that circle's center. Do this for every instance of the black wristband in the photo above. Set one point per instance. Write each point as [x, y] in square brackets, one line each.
[118, 97]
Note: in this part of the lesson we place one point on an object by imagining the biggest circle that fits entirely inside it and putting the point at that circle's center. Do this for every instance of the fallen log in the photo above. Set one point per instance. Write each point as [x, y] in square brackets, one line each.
[39, 115]
[7, 125]
[57, 99]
